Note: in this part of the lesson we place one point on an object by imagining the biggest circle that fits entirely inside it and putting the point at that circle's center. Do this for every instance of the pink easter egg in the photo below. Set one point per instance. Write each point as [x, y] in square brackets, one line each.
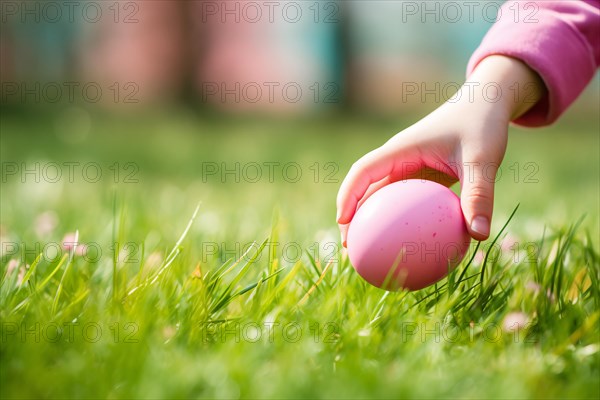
[409, 234]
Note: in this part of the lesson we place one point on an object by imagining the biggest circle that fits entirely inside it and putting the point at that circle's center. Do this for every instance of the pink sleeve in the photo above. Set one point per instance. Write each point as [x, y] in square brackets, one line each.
[560, 40]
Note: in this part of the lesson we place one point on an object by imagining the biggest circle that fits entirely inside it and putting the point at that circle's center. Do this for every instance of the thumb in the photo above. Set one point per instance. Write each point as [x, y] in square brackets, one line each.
[477, 197]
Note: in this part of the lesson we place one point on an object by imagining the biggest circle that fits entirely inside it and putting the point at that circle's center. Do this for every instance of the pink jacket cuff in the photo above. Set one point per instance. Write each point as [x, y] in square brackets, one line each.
[560, 40]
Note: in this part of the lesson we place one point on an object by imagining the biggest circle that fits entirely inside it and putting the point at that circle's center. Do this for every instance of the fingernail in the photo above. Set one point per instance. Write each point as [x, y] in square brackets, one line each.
[481, 225]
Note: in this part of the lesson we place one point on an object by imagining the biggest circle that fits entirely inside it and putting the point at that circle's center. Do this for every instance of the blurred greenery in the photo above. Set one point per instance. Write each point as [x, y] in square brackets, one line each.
[354, 340]
[552, 172]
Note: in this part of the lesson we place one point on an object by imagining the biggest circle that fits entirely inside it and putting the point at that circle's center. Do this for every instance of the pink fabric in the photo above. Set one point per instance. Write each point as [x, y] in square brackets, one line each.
[560, 40]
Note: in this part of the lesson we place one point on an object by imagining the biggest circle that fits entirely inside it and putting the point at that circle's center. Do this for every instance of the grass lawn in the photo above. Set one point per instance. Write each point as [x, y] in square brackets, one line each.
[250, 296]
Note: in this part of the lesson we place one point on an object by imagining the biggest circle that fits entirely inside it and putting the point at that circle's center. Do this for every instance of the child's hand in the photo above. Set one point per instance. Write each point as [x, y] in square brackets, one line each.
[463, 140]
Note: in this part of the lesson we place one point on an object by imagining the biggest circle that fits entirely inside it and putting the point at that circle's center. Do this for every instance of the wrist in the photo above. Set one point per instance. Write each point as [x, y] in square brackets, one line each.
[506, 83]
[483, 98]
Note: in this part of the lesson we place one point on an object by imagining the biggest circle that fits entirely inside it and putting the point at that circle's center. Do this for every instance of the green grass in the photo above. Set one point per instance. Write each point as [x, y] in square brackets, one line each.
[174, 308]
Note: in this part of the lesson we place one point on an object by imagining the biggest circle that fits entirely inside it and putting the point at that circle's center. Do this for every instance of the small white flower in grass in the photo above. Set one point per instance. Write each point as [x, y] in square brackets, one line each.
[536, 288]
[154, 260]
[21, 275]
[364, 332]
[5, 240]
[168, 332]
[45, 223]
[479, 257]
[70, 242]
[550, 296]
[533, 287]
[515, 321]
[11, 267]
[588, 350]
[509, 243]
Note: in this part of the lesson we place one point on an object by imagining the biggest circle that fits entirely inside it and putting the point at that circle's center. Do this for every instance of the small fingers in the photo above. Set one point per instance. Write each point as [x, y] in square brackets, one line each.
[477, 198]
[370, 169]
[372, 189]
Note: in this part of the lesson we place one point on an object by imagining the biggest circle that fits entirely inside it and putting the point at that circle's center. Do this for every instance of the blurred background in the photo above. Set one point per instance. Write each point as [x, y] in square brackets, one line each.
[171, 89]
[239, 55]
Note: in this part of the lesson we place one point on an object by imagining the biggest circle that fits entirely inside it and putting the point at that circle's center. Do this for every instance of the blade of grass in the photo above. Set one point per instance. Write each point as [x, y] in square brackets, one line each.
[483, 266]
[69, 262]
[170, 258]
[39, 288]
[313, 287]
